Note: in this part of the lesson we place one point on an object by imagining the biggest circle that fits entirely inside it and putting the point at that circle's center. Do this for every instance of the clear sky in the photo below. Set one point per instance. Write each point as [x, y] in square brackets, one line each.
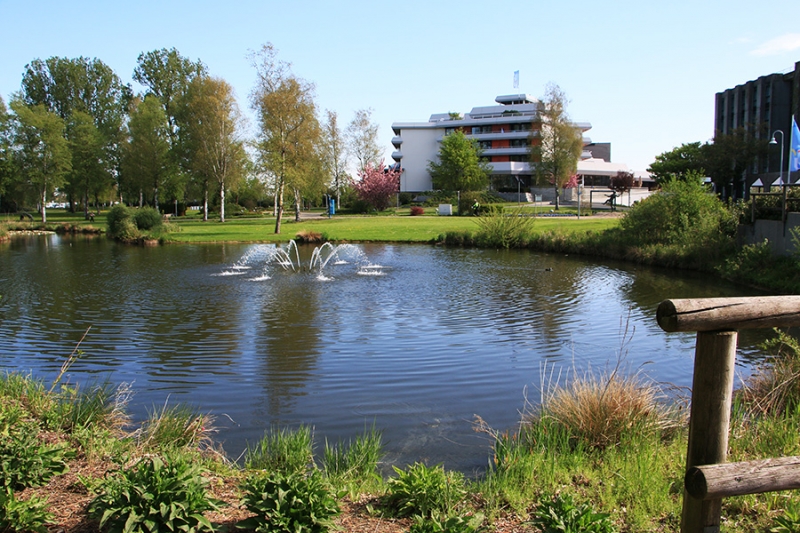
[643, 73]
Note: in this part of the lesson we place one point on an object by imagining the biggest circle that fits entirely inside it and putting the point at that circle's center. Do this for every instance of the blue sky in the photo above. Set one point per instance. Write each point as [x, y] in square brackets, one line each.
[644, 74]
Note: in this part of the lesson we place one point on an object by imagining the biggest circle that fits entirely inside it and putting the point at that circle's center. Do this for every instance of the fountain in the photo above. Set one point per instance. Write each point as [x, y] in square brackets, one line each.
[288, 258]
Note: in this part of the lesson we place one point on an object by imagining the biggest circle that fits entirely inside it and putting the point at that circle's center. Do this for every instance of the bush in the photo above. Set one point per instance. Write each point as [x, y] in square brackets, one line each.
[155, 495]
[684, 213]
[293, 503]
[417, 210]
[179, 426]
[423, 491]
[121, 225]
[146, 218]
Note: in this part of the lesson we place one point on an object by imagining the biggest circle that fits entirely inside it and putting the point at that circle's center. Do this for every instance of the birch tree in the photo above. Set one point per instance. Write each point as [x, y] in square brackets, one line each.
[362, 139]
[555, 151]
[214, 145]
[335, 153]
[289, 132]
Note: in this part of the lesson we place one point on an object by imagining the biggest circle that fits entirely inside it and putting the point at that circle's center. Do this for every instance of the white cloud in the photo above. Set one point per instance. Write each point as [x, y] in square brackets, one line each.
[778, 45]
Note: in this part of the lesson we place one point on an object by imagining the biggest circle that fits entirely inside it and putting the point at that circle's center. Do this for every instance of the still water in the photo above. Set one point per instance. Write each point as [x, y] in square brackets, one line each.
[418, 346]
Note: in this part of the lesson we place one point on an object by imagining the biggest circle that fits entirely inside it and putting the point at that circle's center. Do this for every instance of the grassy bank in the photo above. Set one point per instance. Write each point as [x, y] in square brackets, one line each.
[603, 450]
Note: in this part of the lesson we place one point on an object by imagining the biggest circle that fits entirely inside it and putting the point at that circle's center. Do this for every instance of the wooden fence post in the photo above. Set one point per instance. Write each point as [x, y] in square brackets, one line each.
[712, 390]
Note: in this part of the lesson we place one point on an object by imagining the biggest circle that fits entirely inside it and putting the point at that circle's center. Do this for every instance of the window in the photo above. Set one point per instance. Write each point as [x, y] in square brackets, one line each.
[485, 145]
[518, 143]
[481, 129]
[524, 126]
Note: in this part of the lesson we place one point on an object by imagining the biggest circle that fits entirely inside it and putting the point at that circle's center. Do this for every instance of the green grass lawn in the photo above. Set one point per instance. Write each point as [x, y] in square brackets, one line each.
[392, 228]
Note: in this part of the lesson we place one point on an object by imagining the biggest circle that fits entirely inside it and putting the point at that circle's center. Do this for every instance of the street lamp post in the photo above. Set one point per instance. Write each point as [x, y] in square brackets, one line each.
[780, 174]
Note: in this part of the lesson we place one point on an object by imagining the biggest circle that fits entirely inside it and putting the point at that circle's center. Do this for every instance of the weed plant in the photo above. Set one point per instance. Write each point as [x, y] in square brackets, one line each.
[156, 494]
[423, 491]
[29, 515]
[562, 515]
[282, 450]
[290, 503]
[504, 231]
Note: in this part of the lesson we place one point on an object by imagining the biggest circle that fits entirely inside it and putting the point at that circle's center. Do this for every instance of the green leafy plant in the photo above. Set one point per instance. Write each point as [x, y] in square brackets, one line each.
[562, 515]
[146, 218]
[439, 524]
[291, 503]
[155, 495]
[22, 515]
[26, 462]
[421, 491]
[789, 522]
[504, 231]
[287, 451]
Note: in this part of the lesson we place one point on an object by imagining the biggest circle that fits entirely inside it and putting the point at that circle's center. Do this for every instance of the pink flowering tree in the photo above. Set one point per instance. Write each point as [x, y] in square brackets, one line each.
[376, 185]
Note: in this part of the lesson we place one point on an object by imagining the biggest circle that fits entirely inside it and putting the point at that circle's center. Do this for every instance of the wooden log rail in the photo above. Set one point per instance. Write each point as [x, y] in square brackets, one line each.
[717, 321]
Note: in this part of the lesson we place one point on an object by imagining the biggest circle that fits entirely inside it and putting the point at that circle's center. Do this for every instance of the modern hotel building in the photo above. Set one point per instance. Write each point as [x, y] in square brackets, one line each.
[504, 132]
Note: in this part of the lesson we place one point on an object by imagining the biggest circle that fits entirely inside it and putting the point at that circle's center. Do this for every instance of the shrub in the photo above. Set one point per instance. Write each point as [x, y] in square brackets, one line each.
[121, 225]
[284, 451]
[417, 210]
[562, 515]
[422, 491]
[154, 495]
[98, 406]
[684, 213]
[146, 218]
[291, 503]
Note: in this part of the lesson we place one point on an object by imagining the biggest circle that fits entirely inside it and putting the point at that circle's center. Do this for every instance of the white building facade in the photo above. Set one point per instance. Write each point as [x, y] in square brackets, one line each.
[504, 133]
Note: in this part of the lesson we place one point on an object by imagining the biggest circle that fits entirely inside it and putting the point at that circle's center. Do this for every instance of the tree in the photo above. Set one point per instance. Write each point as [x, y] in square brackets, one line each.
[213, 124]
[334, 153]
[362, 139]
[376, 185]
[68, 86]
[88, 177]
[43, 155]
[678, 163]
[289, 131]
[554, 153]
[727, 158]
[460, 167]
[167, 75]
[147, 163]
[7, 173]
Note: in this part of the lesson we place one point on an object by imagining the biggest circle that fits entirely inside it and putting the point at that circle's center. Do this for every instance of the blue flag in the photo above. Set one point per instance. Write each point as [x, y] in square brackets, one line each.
[794, 148]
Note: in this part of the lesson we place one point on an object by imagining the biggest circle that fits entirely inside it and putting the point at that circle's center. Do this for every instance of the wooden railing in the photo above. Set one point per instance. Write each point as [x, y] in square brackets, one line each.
[708, 477]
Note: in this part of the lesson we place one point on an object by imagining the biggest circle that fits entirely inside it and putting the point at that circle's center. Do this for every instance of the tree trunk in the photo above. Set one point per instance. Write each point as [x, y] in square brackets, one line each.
[556, 197]
[296, 205]
[155, 197]
[44, 209]
[279, 210]
[222, 203]
[205, 203]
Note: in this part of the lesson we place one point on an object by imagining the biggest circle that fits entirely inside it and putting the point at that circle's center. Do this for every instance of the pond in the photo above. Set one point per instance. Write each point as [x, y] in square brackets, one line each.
[414, 339]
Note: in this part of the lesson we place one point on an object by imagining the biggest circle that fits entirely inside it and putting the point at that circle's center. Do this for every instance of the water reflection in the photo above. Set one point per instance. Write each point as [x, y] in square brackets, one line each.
[442, 335]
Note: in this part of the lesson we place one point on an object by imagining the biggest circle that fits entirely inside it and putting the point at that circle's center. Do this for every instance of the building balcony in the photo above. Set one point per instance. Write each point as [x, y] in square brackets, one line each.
[488, 152]
[397, 141]
[397, 155]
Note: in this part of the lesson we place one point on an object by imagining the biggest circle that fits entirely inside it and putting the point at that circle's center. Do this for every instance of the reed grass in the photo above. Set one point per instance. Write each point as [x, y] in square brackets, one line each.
[176, 426]
[287, 451]
[353, 466]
